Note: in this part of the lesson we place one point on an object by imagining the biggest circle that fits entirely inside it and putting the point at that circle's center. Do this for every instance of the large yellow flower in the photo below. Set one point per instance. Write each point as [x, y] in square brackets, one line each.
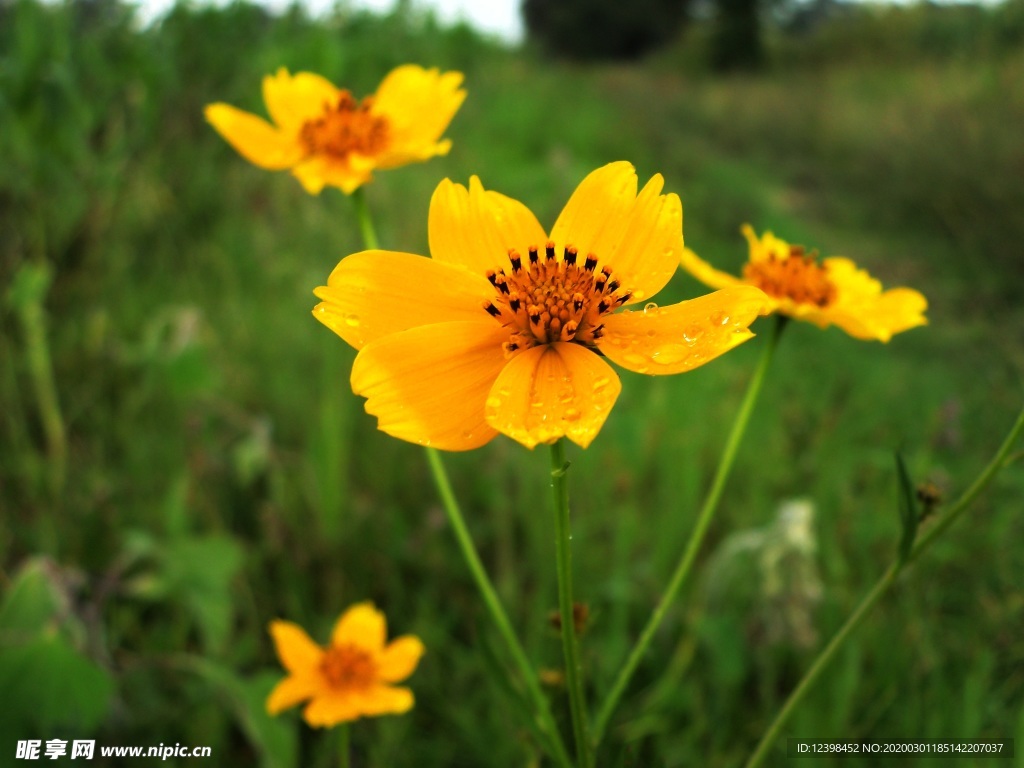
[327, 138]
[834, 291]
[349, 678]
[507, 329]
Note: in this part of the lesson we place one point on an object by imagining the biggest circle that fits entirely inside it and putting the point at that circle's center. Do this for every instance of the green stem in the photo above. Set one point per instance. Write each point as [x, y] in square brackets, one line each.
[344, 747]
[365, 222]
[880, 589]
[546, 722]
[696, 538]
[570, 643]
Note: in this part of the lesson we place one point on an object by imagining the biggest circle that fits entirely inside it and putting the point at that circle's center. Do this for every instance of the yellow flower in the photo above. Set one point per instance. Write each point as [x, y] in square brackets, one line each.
[327, 138]
[507, 330]
[349, 678]
[834, 291]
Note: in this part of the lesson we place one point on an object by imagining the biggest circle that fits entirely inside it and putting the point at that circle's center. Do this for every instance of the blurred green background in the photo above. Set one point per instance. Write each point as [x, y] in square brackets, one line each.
[219, 472]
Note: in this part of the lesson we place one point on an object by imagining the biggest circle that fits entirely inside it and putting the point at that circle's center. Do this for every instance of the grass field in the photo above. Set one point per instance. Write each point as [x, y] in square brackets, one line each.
[221, 474]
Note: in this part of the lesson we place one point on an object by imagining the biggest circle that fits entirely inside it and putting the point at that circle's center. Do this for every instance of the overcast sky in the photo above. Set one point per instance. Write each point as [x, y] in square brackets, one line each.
[497, 17]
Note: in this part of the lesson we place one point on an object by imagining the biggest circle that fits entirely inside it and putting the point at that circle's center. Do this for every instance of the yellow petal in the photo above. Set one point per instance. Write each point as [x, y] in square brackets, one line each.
[639, 237]
[428, 384]
[399, 659]
[683, 336]
[297, 652]
[704, 272]
[863, 310]
[766, 246]
[291, 691]
[475, 228]
[385, 700]
[333, 707]
[373, 294]
[254, 138]
[551, 391]
[292, 100]
[363, 626]
[418, 105]
[322, 171]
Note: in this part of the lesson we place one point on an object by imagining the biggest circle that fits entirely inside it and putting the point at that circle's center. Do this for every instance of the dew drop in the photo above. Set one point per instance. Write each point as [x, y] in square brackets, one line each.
[719, 318]
[639, 295]
[601, 383]
[651, 332]
[352, 321]
[493, 402]
[321, 309]
[651, 309]
[692, 334]
[571, 414]
[634, 358]
[670, 353]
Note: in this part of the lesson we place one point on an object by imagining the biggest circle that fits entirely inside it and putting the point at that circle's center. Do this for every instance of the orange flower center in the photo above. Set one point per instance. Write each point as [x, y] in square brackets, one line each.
[548, 299]
[344, 127]
[347, 667]
[798, 277]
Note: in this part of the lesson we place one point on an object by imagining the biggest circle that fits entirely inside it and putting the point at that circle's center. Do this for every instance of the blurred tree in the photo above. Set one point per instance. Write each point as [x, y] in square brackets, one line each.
[736, 43]
[603, 29]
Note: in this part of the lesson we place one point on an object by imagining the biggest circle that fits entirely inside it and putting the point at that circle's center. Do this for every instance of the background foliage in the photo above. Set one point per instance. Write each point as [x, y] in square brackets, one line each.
[220, 474]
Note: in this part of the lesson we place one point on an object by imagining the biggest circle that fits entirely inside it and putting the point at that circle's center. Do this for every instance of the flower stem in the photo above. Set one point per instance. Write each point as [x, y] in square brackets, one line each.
[880, 589]
[365, 222]
[344, 748]
[546, 722]
[697, 537]
[570, 644]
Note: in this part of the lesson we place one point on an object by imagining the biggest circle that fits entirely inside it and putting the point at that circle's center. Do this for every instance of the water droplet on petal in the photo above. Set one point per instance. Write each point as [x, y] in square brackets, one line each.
[352, 321]
[634, 358]
[571, 414]
[601, 383]
[639, 295]
[670, 353]
[692, 334]
[651, 309]
[493, 402]
[719, 318]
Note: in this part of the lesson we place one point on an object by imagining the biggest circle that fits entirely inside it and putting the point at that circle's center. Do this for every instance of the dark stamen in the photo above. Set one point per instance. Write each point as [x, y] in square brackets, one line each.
[590, 263]
[492, 276]
[549, 250]
[492, 310]
[533, 254]
[570, 255]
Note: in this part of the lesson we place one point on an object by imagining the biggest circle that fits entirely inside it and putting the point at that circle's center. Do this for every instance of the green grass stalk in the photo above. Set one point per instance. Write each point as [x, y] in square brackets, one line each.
[570, 643]
[697, 537]
[880, 589]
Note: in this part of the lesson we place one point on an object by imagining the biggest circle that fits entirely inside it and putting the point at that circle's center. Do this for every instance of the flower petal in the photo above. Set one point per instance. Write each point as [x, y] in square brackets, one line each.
[297, 652]
[254, 138]
[373, 294]
[766, 246]
[640, 237]
[683, 336]
[332, 708]
[291, 691]
[551, 391]
[386, 700]
[399, 659]
[292, 100]
[363, 626]
[863, 310]
[322, 171]
[418, 104]
[476, 228]
[428, 384]
[704, 272]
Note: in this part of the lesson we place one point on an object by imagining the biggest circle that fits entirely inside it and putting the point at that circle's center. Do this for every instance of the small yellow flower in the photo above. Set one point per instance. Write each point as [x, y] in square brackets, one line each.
[834, 291]
[507, 329]
[328, 138]
[349, 678]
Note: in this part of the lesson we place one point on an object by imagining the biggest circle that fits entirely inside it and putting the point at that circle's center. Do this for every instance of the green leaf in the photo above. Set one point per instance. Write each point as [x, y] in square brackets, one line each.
[198, 572]
[909, 514]
[31, 602]
[274, 739]
[47, 684]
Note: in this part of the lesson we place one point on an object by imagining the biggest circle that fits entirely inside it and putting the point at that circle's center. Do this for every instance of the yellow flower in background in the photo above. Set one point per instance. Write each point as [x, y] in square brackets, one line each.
[834, 291]
[328, 138]
[351, 677]
[506, 329]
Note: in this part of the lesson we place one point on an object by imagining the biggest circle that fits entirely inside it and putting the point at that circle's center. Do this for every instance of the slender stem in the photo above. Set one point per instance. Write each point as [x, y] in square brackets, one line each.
[879, 590]
[546, 722]
[365, 222]
[570, 643]
[344, 748]
[696, 538]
